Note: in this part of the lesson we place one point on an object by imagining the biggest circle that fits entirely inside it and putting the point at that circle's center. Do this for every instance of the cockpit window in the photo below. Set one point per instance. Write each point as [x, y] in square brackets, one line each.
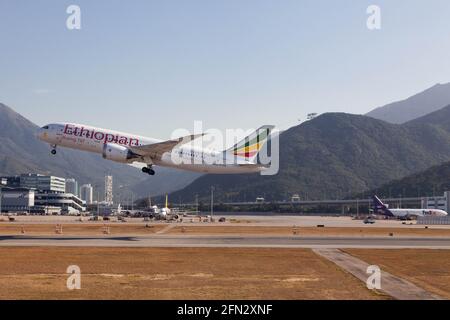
[45, 127]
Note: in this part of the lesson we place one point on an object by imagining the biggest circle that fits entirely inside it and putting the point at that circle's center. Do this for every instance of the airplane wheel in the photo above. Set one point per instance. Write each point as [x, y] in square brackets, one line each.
[53, 152]
[148, 171]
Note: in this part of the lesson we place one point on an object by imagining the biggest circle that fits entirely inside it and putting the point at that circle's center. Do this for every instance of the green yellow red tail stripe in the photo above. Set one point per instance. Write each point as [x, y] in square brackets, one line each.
[250, 148]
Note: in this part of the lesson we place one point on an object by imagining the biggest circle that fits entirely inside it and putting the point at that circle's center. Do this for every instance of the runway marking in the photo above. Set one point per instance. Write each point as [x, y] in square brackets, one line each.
[164, 240]
[394, 286]
[164, 230]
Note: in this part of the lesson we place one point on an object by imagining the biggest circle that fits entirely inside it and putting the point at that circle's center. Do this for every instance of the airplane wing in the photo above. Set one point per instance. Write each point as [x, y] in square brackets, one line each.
[156, 149]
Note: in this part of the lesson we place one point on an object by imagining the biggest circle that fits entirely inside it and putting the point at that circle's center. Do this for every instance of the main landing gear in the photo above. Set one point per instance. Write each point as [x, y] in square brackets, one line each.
[148, 170]
[53, 149]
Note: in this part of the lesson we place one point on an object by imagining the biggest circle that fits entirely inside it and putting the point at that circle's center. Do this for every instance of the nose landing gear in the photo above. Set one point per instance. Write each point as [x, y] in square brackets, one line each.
[148, 170]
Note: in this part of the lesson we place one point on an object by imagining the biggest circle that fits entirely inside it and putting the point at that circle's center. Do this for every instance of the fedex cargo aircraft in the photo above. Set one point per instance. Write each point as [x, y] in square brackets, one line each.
[128, 148]
[381, 208]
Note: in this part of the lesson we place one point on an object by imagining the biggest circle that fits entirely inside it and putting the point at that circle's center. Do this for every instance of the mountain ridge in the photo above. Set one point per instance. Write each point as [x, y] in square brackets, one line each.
[332, 156]
[433, 181]
[415, 106]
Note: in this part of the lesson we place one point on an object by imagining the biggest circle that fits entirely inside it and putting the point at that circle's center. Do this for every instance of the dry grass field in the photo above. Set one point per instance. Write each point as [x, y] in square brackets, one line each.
[429, 269]
[308, 231]
[79, 228]
[175, 273]
[130, 229]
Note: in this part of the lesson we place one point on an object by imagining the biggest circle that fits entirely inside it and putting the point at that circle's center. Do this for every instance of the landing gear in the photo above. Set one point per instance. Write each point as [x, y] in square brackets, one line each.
[148, 170]
[53, 149]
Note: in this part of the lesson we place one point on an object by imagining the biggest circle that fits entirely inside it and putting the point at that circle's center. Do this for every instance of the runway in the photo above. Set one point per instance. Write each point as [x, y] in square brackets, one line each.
[247, 220]
[227, 242]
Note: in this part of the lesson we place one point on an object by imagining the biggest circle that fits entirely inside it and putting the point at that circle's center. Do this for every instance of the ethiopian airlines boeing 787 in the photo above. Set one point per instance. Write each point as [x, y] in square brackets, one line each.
[128, 148]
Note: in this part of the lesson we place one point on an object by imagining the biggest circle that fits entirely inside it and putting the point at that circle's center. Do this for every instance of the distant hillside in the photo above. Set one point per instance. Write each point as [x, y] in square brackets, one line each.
[165, 181]
[414, 107]
[334, 156]
[433, 181]
[21, 152]
[439, 119]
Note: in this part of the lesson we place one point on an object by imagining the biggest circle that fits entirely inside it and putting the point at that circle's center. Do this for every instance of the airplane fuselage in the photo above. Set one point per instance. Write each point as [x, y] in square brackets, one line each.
[417, 212]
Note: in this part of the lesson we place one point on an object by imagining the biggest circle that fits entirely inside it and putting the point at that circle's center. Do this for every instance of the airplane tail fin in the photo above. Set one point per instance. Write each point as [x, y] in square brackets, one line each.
[250, 146]
[380, 208]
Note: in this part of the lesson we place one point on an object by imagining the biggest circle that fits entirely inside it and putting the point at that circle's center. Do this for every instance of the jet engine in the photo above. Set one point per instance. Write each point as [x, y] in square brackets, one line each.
[118, 153]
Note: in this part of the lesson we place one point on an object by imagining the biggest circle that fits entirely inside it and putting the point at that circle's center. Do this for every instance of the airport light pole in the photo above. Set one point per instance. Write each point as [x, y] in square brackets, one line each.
[212, 201]
[357, 208]
[3, 182]
[98, 203]
[196, 203]
[121, 195]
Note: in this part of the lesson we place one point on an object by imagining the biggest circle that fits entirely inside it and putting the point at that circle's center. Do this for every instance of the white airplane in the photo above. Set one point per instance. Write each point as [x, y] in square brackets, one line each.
[164, 213]
[127, 148]
[381, 208]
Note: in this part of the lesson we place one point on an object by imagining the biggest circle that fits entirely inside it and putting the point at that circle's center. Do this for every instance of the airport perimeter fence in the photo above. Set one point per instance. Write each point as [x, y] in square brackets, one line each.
[433, 220]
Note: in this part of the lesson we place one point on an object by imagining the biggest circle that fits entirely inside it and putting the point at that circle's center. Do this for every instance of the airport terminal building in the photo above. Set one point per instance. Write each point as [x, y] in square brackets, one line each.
[43, 183]
[17, 199]
[437, 202]
[39, 194]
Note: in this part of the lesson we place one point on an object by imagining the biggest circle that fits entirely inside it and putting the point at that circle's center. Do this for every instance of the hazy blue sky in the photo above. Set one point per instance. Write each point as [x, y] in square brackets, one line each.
[151, 66]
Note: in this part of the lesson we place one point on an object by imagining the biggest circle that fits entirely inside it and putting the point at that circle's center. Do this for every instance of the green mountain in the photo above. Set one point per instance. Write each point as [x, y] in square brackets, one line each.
[433, 181]
[336, 155]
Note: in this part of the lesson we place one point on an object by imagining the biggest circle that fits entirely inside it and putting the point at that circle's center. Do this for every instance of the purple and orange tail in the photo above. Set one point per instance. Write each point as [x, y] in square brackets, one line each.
[380, 208]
